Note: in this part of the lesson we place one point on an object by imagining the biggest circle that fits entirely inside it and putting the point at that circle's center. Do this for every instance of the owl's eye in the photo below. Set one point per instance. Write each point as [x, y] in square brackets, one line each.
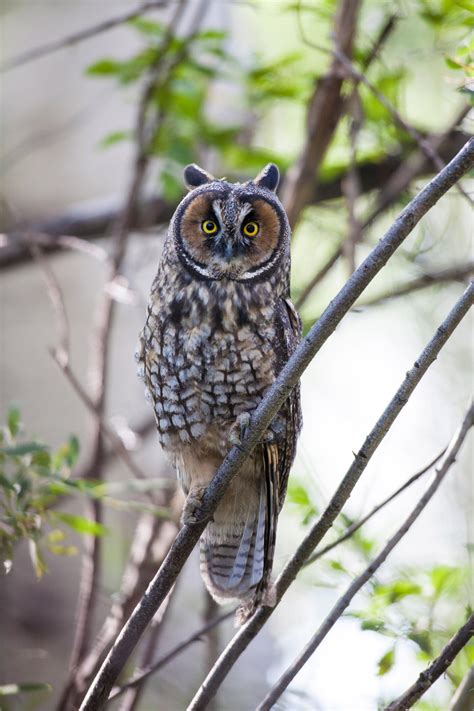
[209, 227]
[250, 229]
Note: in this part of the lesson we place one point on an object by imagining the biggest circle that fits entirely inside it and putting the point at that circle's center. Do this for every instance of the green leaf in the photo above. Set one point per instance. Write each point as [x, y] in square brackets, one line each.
[452, 63]
[115, 137]
[80, 523]
[37, 559]
[104, 67]
[13, 421]
[147, 27]
[22, 449]
[28, 687]
[386, 662]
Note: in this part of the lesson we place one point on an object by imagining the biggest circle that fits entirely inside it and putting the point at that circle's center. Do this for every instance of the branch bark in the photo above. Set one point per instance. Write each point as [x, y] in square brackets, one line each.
[264, 413]
[77, 37]
[314, 536]
[435, 669]
[91, 222]
[324, 111]
[426, 679]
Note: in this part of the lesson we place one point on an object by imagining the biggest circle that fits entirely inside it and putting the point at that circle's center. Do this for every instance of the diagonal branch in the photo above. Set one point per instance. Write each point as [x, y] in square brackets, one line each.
[160, 663]
[91, 221]
[435, 669]
[358, 524]
[314, 536]
[263, 415]
[459, 272]
[82, 35]
[345, 600]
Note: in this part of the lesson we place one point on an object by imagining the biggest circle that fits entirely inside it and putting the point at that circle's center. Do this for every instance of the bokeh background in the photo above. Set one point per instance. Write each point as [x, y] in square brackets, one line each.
[55, 116]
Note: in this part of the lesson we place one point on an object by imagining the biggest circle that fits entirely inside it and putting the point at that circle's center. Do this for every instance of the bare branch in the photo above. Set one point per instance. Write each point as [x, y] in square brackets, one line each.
[57, 300]
[153, 668]
[100, 342]
[316, 533]
[111, 435]
[92, 221]
[85, 34]
[324, 111]
[435, 669]
[319, 276]
[427, 678]
[463, 699]
[264, 413]
[460, 273]
[358, 524]
[425, 146]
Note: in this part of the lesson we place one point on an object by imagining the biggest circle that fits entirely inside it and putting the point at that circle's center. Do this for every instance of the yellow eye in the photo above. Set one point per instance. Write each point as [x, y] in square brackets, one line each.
[250, 229]
[209, 227]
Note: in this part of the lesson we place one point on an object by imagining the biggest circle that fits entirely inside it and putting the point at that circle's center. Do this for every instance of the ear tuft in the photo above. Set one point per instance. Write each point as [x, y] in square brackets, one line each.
[269, 177]
[195, 176]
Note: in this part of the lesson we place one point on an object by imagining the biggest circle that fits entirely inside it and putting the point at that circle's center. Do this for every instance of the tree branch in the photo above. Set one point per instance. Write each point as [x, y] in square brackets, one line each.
[160, 663]
[324, 111]
[316, 533]
[460, 272]
[264, 413]
[85, 34]
[99, 350]
[358, 524]
[435, 669]
[90, 221]
[344, 601]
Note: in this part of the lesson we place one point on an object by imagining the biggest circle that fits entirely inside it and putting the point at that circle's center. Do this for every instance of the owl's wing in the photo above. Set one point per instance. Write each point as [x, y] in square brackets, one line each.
[277, 456]
[289, 418]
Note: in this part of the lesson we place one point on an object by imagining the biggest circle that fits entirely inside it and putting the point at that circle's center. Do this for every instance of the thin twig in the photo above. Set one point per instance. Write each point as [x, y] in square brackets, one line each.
[133, 695]
[460, 273]
[85, 34]
[92, 221]
[56, 297]
[324, 111]
[319, 276]
[150, 545]
[344, 601]
[422, 142]
[463, 699]
[408, 169]
[358, 524]
[264, 413]
[316, 533]
[98, 359]
[105, 428]
[435, 669]
[153, 668]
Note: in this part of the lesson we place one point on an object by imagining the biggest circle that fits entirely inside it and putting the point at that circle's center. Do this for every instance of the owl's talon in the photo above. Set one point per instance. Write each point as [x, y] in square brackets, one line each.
[192, 507]
[239, 429]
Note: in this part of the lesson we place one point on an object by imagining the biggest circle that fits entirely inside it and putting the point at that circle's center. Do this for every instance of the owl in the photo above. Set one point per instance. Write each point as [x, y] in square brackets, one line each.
[219, 328]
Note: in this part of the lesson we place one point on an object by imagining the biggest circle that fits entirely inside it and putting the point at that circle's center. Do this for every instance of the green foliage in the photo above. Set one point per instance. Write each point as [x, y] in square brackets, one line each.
[31, 480]
[421, 609]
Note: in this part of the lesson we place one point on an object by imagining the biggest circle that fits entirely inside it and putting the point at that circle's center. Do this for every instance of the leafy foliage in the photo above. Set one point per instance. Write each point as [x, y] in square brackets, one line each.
[32, 478]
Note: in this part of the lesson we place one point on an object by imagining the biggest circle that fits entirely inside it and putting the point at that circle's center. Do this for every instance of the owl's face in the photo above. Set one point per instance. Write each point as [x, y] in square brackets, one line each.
[232, 231]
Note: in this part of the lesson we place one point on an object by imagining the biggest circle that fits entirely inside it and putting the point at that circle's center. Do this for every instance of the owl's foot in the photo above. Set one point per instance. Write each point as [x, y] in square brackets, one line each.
[239, 430]
[192, 506]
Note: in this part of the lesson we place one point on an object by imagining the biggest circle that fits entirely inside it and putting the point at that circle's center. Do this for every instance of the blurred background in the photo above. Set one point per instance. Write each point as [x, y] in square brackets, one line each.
[96, 128]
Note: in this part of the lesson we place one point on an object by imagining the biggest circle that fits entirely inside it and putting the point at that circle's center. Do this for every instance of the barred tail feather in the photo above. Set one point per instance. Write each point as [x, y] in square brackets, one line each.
[236, 561]
[233, 558]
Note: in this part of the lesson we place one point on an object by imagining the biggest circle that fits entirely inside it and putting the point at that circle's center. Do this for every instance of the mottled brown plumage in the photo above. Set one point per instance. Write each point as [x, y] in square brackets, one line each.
[219, 328]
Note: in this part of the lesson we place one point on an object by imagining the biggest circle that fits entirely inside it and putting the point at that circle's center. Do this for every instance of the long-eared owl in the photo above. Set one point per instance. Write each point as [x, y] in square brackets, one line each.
[219, 329]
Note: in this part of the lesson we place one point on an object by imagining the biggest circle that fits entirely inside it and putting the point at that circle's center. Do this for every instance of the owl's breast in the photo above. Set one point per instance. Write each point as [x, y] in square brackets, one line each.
[200, 378]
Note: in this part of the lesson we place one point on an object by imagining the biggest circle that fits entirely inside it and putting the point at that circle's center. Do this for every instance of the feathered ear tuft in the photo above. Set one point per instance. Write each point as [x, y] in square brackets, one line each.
[269, 177]
[195, 176]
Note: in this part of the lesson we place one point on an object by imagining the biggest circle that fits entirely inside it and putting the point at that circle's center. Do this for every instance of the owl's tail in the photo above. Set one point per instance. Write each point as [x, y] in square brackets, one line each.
[236, 559]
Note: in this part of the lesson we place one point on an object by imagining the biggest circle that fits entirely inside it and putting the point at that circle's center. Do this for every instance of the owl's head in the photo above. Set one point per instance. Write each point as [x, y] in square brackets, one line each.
[235, 231]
